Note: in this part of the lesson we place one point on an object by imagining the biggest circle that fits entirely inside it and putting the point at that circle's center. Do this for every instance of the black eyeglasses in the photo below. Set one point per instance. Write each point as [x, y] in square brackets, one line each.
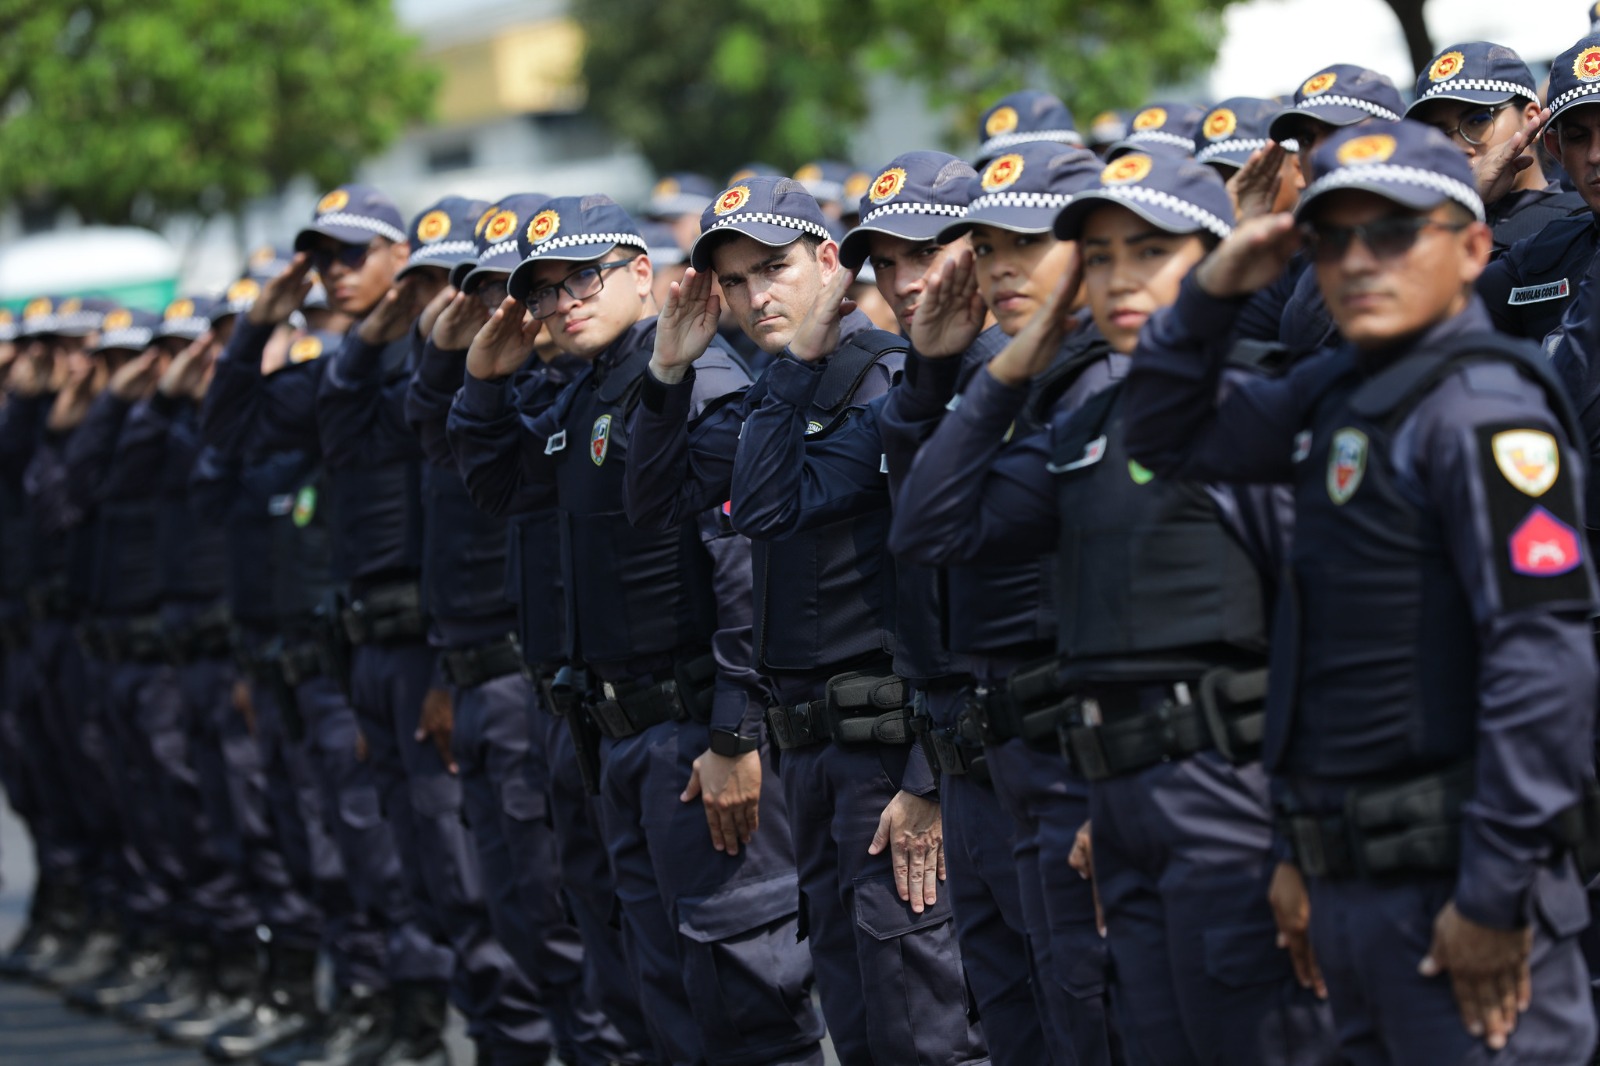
[351, 256]
[1387, 238]
[581, 284]
[1474, 125]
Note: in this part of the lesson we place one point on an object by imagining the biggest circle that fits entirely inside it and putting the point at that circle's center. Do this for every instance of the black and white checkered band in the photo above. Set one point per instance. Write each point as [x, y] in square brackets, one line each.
[452, 250]
[1573, 95]
[1139, 137]
[137, 338]
[786, 221]
[573, 240]
[1001, 141]
[190, 326]
[1479, 85]
[1244, 144]
[1388, 173]
[1017, 199]
[495, 251]
[1378, 110]
[372, 225]
[84, 320]
[910, 207]
[1140, 194]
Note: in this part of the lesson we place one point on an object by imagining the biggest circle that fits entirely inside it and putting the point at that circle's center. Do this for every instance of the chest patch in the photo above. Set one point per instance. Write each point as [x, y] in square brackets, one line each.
[1302, 446]
[1093, 452]
[305, 506]
[1347, 462]
[1528, 458]
[600, 439]
[1538, 294]
[1139, 474]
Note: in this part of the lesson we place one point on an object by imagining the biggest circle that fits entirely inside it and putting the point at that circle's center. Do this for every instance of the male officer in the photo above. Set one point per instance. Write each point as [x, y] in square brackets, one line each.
[1529, 287]
[677, 200]
[1161, 127]
[1438, 544]
[1022, 117]
[1232, 132]
[660, 620]
[1334, 97]
[824, 633]
[825, 179]
[1483, 95]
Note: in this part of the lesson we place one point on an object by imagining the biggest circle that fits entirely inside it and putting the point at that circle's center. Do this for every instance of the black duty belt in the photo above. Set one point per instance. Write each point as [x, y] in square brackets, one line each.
[861, 707]
[208, 636]
[304, 661]
[50, 601]
[385, 613]
[136, 640]
[621, 712]
[1413, 826]
[958, 750]
[14, 632]
[470, 667]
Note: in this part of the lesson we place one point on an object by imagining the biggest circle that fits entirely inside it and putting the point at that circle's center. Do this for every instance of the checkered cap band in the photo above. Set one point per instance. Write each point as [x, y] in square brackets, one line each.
[1573, 94]
[1001, 142]
[1348, 101]
[1159, 137]
[79, 320]
[175, 326]
[1018, 199]
[1139, 194]
[373, 225]
[909, 208]
[573, 240]
[786, 221]
[503, 248]
[1460, 192]
[1479, 85]
[443, 250]
[137, 338]
[1244, 144]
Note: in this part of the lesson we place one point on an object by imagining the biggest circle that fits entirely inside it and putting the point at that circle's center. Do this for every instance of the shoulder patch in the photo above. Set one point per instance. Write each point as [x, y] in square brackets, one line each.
[1529, 459]
[1536, 539]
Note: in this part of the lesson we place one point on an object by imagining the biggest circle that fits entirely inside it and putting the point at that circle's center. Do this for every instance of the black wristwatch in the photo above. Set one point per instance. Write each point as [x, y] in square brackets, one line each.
[729, 743]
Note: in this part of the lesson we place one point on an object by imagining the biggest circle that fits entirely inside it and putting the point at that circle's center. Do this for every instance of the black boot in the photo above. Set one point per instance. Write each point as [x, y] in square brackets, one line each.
[354, 1034]
[418, 1034]
[142, 963]
[178, 991]
[15, 961]
[229, 996]
[96, 955]
[285, 1010]
[65, 929]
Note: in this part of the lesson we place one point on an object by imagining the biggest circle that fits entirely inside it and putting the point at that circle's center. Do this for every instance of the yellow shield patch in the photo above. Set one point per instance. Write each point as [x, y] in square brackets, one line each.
[1528, 458]
[1001, 120]
[435, 225]
[888, 185]
[1150, 118]
[334, 201]
[1319, 83]
[1446, 66]
[1135, 166]
[732, 200]
[1003, 172]
[1375, 148]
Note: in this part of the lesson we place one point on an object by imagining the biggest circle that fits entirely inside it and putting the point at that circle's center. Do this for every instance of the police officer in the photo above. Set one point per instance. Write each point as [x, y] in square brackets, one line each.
[677, 200]
[1436, 508]
[825, 180]
[660, 620]
[1021, 118]
[824, 628]
[1484, 97]
[1106, 129]
[1161, 127]
[1230, 134]
[1528, 288]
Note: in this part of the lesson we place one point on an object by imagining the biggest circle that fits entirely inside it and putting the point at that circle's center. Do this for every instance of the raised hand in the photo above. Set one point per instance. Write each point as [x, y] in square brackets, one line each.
[1254, 187]
[1032, 350]
[1251, 258]
[685, 326]
[950, 315]
[503, 344]
[1497, 171]
[458, 323]
[284, 294]
[394, 314]
[183, 375]
[817, 336]
[133, 379]
[435, 308]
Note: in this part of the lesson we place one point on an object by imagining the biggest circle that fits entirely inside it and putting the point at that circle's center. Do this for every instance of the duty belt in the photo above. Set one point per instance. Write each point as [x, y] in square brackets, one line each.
[1028, 705]
[861, 707]
[208, 636]
[385, 613]
[137, 640]
[1410, 827]
[50, 600]
[470, 667]
[623, 713]
[958, 750]
[304, 661]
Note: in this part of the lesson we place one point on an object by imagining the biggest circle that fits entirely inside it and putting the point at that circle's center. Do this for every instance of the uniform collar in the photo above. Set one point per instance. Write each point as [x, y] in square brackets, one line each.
[1473, 319]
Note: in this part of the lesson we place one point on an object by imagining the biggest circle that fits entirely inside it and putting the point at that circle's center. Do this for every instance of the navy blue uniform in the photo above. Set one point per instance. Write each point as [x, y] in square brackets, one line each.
[1500, 557]
[1528, 288]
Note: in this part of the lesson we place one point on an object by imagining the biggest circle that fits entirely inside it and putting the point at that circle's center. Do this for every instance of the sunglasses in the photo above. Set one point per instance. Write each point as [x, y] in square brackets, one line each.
[350, 256]
[1387, 238]
[581, 284]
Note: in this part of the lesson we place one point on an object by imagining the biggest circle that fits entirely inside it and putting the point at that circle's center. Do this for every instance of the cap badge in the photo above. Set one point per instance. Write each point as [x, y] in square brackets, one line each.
[334, 201]
[501, 226]
[1003, 172]
[1319, 83]
[732, 200]
[179, 309]
[888, 185]
[666, 187]
[36, 307]
[856, 186]
[543, 226]
[118, 319]
[305, 349]
[243, 289]
[435, 225]
[1587, 66]
[263, 255]
[1151, 118]
[70, 307]
[1128, 169]
[1000, 120]
[1446, 66]
[1220, 123]
[477, 230]
[1374, 148]
[809, 172]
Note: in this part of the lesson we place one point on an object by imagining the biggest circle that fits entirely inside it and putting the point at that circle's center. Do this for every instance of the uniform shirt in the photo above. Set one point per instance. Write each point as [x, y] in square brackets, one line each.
[1523, 213]
[246, 411]
[1575, 357]
[1527, 289]
[1528, 768]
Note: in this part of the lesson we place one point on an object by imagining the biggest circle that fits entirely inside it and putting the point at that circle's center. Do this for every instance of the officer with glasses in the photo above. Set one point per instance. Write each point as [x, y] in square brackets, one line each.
[1483, 97]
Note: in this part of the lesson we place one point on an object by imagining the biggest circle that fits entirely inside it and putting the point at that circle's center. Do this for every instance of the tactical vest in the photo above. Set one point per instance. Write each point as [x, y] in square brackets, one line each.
[1150, 584]
[1550, 266]
[825, 598]
[464, 552]
[1375, 650]
[534, 584]
[632, 593]
[301, 541]
[377, 523]
[194, 550]
[127, 560]
[1531, 214]
[16, 541]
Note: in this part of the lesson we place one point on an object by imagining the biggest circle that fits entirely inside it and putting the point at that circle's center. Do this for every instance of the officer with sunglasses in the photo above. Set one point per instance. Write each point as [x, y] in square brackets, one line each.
[1483, 96]
[1432, 697]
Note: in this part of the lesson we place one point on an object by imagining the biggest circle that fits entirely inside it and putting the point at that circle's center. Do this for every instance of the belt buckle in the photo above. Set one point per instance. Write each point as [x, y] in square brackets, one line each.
[1305, 836]
[781, 728]
[952, 759]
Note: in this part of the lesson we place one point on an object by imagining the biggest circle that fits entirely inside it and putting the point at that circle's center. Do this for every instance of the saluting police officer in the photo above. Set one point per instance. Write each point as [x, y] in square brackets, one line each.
[1433, 678]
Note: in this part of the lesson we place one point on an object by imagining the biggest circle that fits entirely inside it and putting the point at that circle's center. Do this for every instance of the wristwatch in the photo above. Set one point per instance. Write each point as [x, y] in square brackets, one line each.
[729, 743]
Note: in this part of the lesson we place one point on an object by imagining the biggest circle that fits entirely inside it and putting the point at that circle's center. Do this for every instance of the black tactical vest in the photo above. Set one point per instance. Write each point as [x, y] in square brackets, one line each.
[1375, 651]
[301, 542]
[16, 541]
[825, 598]
[534, 584]
[464, 556]
[1151, 585]
[127, 561]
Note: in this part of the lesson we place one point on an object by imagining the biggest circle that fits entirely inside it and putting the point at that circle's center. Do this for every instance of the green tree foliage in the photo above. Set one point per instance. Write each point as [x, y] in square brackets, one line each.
[128, 109]
[707, 84]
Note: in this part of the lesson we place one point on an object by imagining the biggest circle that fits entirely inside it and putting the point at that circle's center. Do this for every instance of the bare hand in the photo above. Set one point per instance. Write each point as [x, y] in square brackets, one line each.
[950, 314]
[911, 828]
[504, 343]
[435, 308]
[730, 788]
[1254, 187]
[133, 379]
[437, 724]
[243, 705]
[1082, 860]
[817, 336]
[1488, 972]
[1291, 909]
[283, 295]
[1250, 259]
[81, 380]
[685, 326]
[394, 314]
[187, 368]
[30, 375]
[1497, 172]
[458, 323]
[1032, 350]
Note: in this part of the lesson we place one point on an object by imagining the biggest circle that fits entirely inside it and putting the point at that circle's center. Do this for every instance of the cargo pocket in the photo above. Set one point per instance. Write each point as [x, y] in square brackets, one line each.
[1081, 966]
[751, 980]
[899, 949]
[883, 915]
[359, 807]
[522, 802]
[1241, 955]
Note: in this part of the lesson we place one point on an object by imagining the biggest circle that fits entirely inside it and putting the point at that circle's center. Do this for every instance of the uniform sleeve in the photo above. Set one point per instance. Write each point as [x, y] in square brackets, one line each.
[680, 454]
[433, 388]
[1576, 360]
[92, 447]
[969, 493]
[360, 411]
[244, 409]
[741, 697]
[142, 447]
[784, 481]
[485, 433]
[913, 410]
[1507, 499]
[1495, 285]
[1181, 424]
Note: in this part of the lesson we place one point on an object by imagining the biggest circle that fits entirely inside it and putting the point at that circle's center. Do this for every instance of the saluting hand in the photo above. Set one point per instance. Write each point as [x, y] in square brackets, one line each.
[284, 294]
[458, 323]
[1254, 187]
[950, 314]
[1497, 172]
[1031, 351]
[183, 375]
[394, 314]
[685, 326]
[504, 343]
[133, 379]
[1251, 258]
[729, 786]
[1488, 970]
[817, 335]
[435, 308]
[912, 829]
